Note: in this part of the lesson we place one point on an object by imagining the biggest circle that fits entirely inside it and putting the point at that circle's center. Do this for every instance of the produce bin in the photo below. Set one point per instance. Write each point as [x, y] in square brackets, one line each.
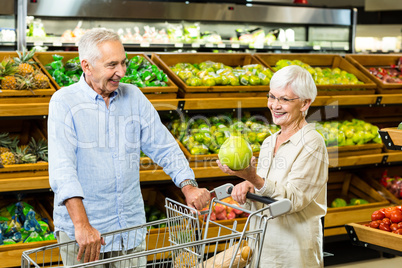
[362, 235]
[325, 60]
[10, 255]
[25, 130]
[347, 186]
[233, 60]
[168, 92]
[40, 92]
[354, 150]
[392, 138]
[364, 62]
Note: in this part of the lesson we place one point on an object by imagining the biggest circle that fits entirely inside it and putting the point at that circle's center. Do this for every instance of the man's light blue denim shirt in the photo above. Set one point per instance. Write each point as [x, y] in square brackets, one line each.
[94, 153]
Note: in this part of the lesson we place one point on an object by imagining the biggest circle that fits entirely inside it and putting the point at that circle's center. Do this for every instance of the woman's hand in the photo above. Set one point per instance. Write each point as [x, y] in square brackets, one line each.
[240, 190]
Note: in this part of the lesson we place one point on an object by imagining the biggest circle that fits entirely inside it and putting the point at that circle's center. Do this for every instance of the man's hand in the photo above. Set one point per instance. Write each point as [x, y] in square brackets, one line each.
[89, 241]
[197, 198]
[88, 238]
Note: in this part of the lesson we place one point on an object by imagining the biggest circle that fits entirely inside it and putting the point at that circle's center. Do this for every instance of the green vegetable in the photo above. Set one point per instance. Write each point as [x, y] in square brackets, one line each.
[338, 202]
[400, 126]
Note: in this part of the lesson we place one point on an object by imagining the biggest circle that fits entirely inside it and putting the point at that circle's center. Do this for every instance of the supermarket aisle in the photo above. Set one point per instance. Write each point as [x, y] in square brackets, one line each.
[380, 262]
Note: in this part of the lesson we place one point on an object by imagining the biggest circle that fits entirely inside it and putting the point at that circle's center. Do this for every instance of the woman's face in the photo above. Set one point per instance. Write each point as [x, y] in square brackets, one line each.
[286, 107]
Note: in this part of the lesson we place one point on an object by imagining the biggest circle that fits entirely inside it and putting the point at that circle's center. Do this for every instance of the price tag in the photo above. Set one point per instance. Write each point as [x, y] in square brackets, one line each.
[285, 46]
[346, 47]
[221, 45]
[57, 44]
[144, 44]
[235, 45]
[209, 45]
[38, 43]
[178, 45]
[195, 45]
[259, 46]
[316, 47]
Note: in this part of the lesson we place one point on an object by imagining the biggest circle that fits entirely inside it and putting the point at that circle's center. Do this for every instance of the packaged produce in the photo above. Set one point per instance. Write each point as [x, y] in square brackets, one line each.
[64, 74]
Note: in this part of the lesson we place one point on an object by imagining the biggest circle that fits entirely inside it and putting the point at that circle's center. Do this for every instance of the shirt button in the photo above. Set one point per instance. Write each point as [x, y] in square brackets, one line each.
[115, 155]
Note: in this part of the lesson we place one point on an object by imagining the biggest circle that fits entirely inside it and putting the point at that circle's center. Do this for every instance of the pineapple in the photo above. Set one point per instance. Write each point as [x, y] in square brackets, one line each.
[7, 158]
[25, 83]
[24, 62]
[22, 157]
[41, 80]
[39, 149]
[7, 71]
[5, 143]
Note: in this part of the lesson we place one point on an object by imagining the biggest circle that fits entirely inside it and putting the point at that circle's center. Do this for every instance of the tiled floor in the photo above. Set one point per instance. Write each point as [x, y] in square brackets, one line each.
[380, 262]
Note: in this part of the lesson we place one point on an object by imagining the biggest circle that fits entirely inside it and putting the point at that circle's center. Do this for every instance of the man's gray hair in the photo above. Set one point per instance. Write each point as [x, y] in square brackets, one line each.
[88, 44]
[299, 80]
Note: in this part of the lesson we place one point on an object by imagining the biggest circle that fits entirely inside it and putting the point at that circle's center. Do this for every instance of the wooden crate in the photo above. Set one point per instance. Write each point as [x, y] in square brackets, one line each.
[363, 62]
[168, 92]
[24, 130]
[347, 186]
[353, 150]
[325, 60]
[40, 92]
[10, 255]
[392, 138]
[377, 237]
[229, 59]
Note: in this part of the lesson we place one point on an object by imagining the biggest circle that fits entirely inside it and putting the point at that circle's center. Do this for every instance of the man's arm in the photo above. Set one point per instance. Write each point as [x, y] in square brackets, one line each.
[197, 198]
[88, 238]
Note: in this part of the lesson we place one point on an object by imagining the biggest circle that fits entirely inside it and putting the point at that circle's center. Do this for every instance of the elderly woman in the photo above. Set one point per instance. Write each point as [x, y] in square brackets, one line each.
[293, 164]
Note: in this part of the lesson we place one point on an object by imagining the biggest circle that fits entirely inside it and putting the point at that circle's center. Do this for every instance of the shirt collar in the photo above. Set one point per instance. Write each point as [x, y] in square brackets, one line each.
[92, 93]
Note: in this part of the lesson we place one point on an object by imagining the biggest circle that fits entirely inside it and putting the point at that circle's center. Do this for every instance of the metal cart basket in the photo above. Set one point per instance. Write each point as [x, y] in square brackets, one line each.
[184, 239]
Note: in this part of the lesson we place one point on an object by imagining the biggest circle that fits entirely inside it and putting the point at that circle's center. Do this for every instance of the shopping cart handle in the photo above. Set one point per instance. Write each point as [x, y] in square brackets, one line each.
[263, 199]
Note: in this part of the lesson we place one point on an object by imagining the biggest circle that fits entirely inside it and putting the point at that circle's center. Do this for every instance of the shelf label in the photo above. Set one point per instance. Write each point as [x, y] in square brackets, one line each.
[209, 45]
[221, 45]
[258, 46]
[316, 47]
[235, 45]
[285, 47]
[57, 44]
[144, 44]
[195, 45]
[178, 45]
[38, 43]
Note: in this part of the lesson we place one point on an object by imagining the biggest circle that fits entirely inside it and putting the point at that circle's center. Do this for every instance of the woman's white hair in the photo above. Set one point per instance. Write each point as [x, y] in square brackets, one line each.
[299, 80]
[88, 45]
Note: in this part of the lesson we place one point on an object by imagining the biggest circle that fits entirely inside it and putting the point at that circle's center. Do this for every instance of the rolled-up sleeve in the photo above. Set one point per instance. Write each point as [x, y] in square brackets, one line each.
[62, 143]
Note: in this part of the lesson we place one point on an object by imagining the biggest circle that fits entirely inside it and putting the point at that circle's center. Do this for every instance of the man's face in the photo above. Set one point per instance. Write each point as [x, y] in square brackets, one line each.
[104, 76]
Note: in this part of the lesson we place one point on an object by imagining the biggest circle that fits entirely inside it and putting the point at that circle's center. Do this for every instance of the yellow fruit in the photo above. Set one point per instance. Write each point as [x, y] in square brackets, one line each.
[8, 158]
[25, 69]
[41, 80]
[4, 150]
[8, 82]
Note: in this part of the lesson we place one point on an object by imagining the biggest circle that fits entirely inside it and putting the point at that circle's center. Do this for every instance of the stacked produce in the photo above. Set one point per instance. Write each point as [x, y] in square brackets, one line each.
[387, 219]
[393, 184]
[19, 223]
[391, 74]
[209, 73]
[340, 202]
[11, 153]
[140, 72]
[204, 135]
[20, 73]
[323, 76]
[354, 132]
[222, 212]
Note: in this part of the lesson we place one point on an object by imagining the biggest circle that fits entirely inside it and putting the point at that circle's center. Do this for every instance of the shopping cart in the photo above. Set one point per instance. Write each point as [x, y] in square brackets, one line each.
[186, 238]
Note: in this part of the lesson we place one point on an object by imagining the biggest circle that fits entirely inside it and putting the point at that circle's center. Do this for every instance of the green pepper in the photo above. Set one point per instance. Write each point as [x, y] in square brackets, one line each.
[154, 68]
[56, 64]
[139, 83]
[57, 57]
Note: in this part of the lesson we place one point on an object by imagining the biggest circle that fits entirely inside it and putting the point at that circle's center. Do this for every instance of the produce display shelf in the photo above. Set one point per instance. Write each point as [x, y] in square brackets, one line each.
[361, 235]
[392, 138]
[24, 106]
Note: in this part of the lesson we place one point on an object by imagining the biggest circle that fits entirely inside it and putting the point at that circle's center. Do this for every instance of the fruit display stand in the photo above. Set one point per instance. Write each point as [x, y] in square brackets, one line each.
[233, 60]
[167, 92]
[347, 186]
[10, 255]
[24, 130]
[392, 138]
[323, 61]
[364, 62]
[361, 235]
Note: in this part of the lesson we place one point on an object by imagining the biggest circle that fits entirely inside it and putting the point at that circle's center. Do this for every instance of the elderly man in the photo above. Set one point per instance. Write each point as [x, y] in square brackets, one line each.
[97, 128]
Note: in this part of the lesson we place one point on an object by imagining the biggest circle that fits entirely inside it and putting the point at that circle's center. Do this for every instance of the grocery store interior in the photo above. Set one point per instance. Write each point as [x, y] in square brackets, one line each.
[352, 48]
